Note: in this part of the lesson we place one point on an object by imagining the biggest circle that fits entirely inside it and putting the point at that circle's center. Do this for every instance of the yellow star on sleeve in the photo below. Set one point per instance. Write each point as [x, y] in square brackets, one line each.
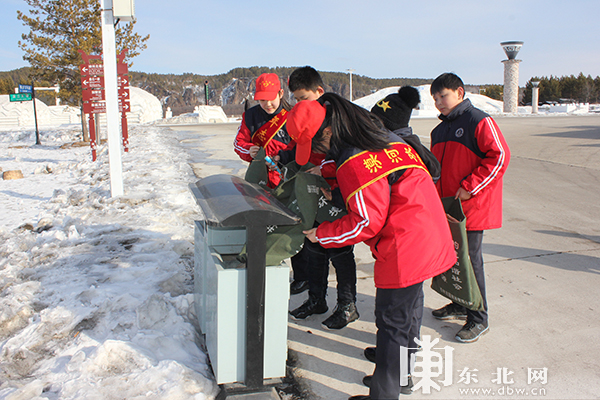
[384, 104]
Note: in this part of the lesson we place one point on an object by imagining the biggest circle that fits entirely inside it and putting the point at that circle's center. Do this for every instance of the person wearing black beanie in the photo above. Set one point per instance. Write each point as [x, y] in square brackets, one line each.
[394, 111]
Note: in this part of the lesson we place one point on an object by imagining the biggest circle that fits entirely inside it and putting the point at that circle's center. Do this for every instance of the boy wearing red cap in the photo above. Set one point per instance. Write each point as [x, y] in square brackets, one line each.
[264, 125]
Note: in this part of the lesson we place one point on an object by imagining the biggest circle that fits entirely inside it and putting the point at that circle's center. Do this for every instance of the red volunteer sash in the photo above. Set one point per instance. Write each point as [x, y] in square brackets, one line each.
[265, 133]
[367, 166]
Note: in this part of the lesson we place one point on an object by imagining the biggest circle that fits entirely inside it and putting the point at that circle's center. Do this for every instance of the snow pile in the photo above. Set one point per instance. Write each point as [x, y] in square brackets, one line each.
[211, 114]
[17, 113]
[144, 108]
[201, 114]
[427, 105]
[486, 104]
[572, 108]
[95, 292]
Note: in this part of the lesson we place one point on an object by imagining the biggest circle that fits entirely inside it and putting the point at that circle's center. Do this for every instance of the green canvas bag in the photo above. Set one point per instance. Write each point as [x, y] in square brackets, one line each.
[301, 193]
[257, 171]
[458, 283]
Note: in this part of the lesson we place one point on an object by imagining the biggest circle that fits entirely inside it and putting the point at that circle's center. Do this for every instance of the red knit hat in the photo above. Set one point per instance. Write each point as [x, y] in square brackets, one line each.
[267, 87]
[303, 122]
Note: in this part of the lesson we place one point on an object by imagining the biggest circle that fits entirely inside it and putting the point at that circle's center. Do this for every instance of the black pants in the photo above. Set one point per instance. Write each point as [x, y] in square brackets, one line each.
[318, 267]
[300, 265]
[398, 314]
[475, 239]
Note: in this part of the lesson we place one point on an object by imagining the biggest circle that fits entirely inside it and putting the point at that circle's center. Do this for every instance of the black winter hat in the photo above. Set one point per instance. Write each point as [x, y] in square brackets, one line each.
[395, 109]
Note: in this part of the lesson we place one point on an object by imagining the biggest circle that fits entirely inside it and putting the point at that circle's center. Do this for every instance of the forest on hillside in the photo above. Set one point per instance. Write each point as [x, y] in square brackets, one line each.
[336, 81]
[183, 92]
[230, 90]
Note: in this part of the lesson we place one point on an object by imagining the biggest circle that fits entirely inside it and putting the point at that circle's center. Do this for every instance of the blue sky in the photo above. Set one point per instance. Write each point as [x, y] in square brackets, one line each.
[384, 39]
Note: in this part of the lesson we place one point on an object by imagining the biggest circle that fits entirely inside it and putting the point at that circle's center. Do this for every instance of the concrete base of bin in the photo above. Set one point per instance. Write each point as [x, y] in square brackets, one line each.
[235, 392]
[220, 297]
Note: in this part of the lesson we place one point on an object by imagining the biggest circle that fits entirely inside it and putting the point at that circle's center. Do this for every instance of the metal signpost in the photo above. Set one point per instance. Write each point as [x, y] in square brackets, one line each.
[112, 103]
[27, 93]
[206, 91]
[37, 131]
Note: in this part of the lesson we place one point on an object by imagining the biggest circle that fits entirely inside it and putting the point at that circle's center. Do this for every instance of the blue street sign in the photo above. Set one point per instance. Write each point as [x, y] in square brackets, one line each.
[25, 88]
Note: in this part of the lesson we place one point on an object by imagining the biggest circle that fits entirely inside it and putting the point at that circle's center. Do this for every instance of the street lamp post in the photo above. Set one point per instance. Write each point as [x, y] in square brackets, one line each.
[350, 71]
[109, 51]
[511, 76]
[535, 94]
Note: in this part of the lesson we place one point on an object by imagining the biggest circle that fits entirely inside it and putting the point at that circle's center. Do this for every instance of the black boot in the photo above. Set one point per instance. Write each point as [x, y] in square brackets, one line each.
[298, 287]
[310, 307]
[342, 316]
[403, 389]
[370, 354]
[408, 388]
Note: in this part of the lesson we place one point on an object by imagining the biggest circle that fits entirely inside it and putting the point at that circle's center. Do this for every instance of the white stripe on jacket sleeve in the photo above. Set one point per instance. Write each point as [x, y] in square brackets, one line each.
[499, 164]
[358, 228]
[240, 148]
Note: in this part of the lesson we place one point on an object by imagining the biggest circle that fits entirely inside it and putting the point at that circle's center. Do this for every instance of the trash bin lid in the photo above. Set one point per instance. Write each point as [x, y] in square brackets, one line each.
[228, 200]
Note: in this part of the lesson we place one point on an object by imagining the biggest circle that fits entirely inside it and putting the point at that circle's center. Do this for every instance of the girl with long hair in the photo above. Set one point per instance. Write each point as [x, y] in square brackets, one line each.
[393, 207]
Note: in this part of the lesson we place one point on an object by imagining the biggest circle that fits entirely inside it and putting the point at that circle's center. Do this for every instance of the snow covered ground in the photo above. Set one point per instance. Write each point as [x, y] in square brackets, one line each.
[95, 292]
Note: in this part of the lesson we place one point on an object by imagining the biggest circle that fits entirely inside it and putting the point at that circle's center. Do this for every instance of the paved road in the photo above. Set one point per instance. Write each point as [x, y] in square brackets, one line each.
[542, 269]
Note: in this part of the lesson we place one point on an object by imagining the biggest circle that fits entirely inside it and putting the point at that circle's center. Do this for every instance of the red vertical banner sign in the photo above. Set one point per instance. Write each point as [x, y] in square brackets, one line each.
[124, 131]
[90, 81]
[123, 97]
[92, 127]
[92, 84]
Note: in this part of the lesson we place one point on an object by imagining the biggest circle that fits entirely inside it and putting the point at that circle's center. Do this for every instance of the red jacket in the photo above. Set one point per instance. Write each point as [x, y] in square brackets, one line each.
[473, 154]
[328, 168]
[399, 215]
[253, 119]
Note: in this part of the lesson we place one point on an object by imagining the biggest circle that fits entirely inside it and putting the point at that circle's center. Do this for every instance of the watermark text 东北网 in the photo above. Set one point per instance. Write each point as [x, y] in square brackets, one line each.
[432, 368]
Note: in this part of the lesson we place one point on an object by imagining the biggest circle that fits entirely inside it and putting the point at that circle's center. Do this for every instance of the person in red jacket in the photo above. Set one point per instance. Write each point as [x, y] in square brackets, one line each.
[473, 156]
[393, 207]
[264, 125]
